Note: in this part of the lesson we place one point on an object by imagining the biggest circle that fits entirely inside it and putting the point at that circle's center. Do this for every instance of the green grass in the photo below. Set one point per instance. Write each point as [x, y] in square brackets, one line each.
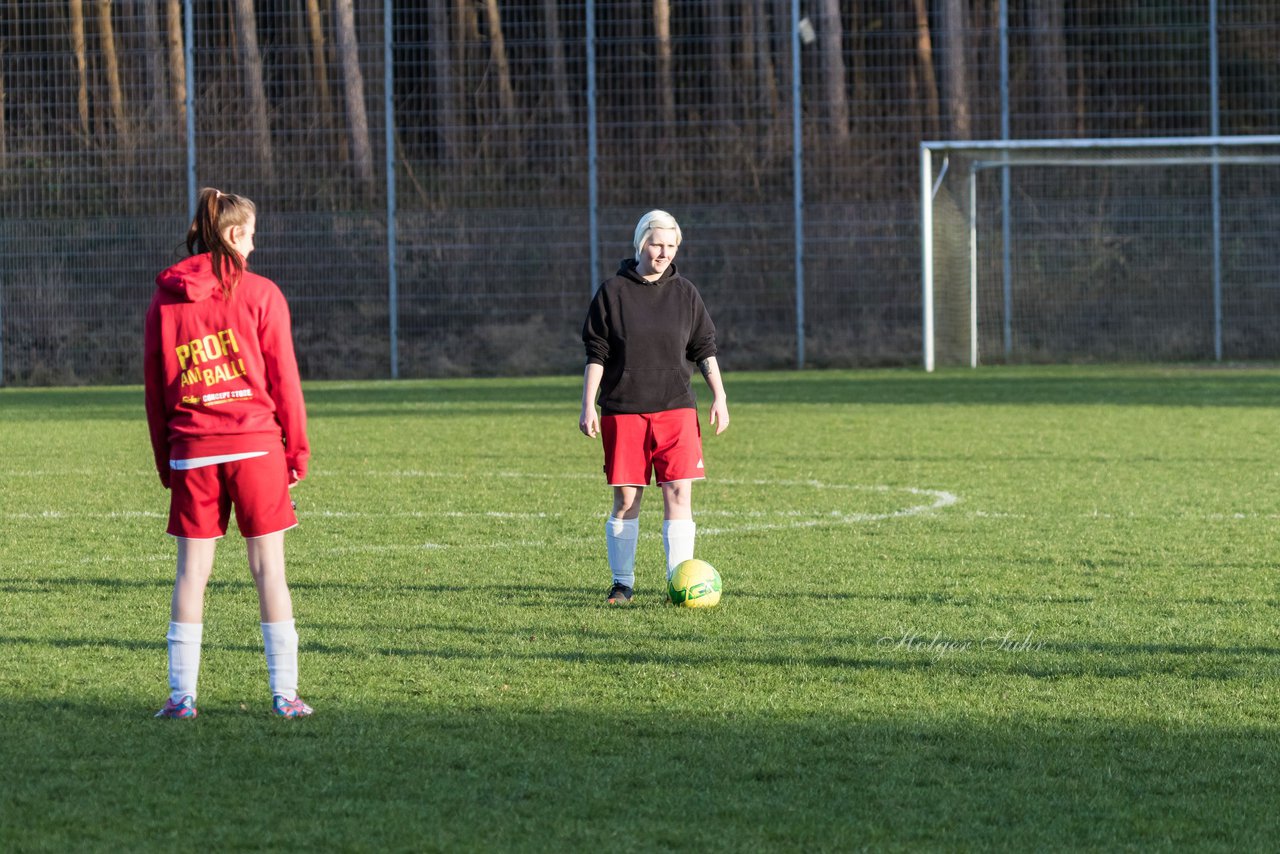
[1079, 651]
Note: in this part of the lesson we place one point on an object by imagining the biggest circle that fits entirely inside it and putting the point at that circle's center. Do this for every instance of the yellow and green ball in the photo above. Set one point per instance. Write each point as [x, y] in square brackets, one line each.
[694, 584]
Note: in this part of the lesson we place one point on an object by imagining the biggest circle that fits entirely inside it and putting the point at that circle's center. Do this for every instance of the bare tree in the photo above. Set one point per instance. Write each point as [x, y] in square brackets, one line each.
[353, 84]
[665, 83]
[82, 65]
[1049, 65]
[721, 62]
[115, 91]
[757, 52]
[467, 36]
[177, 58]
[959, 66]
[444, 101]
[148, 12]
[319, 68]
[559, 69]
[831, 35]
[773, 62]
[4, 133]
[502, 67]
[928, 76]
[255, 90]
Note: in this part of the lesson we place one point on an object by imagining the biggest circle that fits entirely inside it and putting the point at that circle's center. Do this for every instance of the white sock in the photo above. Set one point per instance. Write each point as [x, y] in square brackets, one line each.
[281, 643]
[677, 539]
[620, 536]
[184, 659]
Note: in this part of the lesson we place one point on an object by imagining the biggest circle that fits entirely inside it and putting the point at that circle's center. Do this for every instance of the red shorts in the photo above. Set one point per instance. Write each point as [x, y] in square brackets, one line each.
[667, 444]
[201, 499]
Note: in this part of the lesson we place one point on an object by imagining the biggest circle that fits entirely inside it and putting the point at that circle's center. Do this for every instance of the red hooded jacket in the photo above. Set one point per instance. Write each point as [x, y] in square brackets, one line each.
[220, 374]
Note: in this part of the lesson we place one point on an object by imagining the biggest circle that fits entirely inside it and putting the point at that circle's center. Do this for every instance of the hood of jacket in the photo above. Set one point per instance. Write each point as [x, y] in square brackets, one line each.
[630, 269]
[191, 279]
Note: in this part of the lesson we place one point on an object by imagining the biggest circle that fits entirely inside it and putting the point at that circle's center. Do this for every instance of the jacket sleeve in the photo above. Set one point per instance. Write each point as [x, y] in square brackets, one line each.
[284, 383]
[702, 333]
[595, 330]
[153, 384]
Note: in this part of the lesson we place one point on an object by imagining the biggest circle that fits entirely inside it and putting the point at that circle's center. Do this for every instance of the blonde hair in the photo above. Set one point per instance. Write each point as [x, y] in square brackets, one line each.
[217, 211]
[654, 219]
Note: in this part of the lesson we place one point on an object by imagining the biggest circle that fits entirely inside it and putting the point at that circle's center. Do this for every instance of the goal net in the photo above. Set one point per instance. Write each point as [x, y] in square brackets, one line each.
[1100, 250]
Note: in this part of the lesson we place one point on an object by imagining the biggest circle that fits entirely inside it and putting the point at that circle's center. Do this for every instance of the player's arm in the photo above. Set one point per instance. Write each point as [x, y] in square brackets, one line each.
[710, 369]
[589, 420]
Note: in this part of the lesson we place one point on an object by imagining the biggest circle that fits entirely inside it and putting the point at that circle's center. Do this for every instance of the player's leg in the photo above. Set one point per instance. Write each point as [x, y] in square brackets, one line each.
[186, 625]
[279, 633]
[677, 463]
[678, 527]
[195, 566]
[627, 468]
[198, 515]
[266, 564]
[264, 511]
[621, 533]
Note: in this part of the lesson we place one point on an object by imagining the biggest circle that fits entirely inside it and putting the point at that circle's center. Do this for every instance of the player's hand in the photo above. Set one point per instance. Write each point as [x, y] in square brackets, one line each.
[720, 416]
[294, 478]
[164, 477]
[589, 423]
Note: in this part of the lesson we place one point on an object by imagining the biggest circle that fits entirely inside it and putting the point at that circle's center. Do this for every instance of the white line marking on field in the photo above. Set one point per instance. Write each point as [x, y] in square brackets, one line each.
[940, 500]
[734, 521]
[383, 548]
[63, 514]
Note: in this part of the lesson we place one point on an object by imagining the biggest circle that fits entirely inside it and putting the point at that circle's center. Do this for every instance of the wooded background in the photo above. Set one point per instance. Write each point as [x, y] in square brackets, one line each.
[286, 104]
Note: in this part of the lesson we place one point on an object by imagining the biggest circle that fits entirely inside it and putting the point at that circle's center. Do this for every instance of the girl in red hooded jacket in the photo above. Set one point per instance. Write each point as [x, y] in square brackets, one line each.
[229, 430]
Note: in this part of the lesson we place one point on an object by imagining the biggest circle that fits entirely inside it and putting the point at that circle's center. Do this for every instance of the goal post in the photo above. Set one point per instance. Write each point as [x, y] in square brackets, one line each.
[1150, 249]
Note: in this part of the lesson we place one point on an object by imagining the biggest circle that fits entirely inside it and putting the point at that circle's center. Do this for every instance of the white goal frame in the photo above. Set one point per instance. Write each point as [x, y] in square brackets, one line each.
[993, 154]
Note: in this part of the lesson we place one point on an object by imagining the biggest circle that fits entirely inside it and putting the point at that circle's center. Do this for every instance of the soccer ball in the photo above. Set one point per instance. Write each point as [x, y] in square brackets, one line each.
[694, 584]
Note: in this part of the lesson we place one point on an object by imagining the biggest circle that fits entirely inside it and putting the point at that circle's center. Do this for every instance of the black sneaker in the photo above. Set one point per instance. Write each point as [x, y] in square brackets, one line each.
[620, 594]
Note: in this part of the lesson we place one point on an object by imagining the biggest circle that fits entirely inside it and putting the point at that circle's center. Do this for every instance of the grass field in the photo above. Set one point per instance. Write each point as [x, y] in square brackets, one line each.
[1010, 609]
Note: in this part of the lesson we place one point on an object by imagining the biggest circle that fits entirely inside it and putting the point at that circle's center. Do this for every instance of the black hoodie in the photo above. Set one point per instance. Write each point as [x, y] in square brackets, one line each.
[648, 336]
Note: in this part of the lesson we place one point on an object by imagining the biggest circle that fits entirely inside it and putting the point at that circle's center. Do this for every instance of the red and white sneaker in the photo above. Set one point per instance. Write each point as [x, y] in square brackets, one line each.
[184, 709]
[286, 708]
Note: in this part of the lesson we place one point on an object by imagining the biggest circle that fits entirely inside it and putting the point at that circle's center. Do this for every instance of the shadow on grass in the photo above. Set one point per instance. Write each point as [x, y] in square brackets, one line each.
[412, 775]
[1072, 385]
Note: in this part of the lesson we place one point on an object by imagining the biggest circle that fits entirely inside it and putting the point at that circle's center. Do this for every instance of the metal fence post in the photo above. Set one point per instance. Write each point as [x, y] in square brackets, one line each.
[188, 59]
[393, 282]
[1216, 180]
[797, 168]
[593, 143]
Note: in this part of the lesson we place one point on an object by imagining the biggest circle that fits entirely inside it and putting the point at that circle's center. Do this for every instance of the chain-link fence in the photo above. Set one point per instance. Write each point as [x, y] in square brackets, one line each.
[527, 138]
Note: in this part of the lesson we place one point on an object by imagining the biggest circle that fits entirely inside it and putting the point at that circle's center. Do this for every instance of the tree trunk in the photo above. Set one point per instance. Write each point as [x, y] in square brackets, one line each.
[958, 66]
[559, 68]
[666, 80]
[114, 89]
[159, 111]
[468, 38]
[255, 90]
[4, 132]
[721, 96]
[928, 76]
[319, 67]
[444, 102]
[766, 68]
[831, 37]
[510, 124]
[177, 59]
[1049, 65]
[353, 84]
[82, 67]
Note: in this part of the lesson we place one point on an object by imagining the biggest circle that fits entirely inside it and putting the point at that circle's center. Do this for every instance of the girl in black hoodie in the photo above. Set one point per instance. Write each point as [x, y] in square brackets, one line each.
[646, 327]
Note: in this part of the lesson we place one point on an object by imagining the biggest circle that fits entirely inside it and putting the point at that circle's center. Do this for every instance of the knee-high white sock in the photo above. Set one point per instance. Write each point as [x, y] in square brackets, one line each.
[620, 536]
[677, 539]
[281, 643]
[184, 659]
